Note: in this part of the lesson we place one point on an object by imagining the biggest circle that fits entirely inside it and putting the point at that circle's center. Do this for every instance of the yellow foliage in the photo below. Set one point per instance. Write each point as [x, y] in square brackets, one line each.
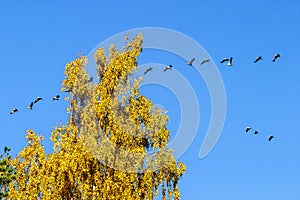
[103, 151]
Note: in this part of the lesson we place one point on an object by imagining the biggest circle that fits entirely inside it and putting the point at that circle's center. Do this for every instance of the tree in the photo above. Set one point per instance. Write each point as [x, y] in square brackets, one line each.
[6, 172]
[103, 150]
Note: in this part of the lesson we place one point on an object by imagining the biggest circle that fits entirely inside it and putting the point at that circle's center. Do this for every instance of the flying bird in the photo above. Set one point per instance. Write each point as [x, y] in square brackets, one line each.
[38, 99]
[168, 67]
[90, 80]
[148, 70]
[13, 111]
[204, 61]
[258, 59]
[56, 98]
[6, 149]
[255, 132]
[230, 62]
[277, 55]
[224, 60]
[271, 137]
[30, 106]
[191, 62]
[248, 129]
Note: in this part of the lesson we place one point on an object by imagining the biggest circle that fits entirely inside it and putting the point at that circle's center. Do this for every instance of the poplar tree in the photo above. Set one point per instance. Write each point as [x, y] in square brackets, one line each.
[114, 145]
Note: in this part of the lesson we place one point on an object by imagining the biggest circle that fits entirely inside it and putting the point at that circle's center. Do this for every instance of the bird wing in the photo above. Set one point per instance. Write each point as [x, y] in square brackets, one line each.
[224, 60]
[270, 138]
[204, 61]
[191, 62]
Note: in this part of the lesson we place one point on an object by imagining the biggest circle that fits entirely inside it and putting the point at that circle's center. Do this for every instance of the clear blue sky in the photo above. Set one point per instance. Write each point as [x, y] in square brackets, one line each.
[38, 38]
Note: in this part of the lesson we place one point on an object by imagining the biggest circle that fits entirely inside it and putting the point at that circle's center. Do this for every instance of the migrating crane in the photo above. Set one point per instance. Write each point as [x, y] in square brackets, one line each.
[190, 63]
[55, 98]
[13, 111]
[168, 67]
[148, 70]
[258, 59]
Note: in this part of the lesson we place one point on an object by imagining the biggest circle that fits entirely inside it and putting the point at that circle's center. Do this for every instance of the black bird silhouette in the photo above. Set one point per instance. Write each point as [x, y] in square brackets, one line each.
[56, 98]
[6, 149]
[224, 60]
[148, 70]
[90, 80]
[191, 62]
[258, 59]
[30, 106]
[204, 61]
[38, 99]
[271, 137]
[277, 55]
[168, 67]
[13, 111]
[256, 132]
[248, 129]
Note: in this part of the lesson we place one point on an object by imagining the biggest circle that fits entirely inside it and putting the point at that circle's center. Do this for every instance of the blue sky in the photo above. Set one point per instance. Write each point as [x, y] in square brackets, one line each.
[38, 38]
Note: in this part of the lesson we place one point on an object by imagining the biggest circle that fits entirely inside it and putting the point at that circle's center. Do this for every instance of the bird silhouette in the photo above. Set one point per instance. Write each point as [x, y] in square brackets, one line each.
[271, 137]
[90, 80]
[224, 60]
[258, 59]
[148, 70]
[190, 63]
[38, 99]
[277, 55]
[56, 98]
[230, 62]
[204, 61]
[30, 106]
[168, 67]
[6, 149]
[248, 129]
[13, 111]
[256, 132]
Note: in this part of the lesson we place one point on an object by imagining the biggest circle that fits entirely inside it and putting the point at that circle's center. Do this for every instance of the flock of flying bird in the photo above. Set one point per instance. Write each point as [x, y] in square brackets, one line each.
[169, 67]
[256, 132]
[30, 107]
[228, 60]
[55, 98]
[229, 63]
